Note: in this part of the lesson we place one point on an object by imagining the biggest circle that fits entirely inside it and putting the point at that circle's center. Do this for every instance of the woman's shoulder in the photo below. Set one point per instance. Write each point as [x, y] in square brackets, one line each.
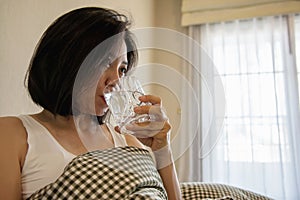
[129, 140]
[10, 123]
[12, 131]
[133, 141]
[13, 140]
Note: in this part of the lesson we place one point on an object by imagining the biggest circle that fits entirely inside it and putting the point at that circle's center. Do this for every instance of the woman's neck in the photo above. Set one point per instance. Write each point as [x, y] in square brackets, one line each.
[57, 120]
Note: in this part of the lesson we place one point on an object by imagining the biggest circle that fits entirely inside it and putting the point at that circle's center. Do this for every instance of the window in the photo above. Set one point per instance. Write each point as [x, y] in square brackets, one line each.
[258, 149]
[297, 47]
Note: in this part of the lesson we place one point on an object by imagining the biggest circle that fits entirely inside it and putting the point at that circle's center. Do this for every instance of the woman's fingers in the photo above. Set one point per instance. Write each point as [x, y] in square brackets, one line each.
[142, 109]
[152, 129]
[146, 126]
[117, 129]
[155, 112]
[154, 100]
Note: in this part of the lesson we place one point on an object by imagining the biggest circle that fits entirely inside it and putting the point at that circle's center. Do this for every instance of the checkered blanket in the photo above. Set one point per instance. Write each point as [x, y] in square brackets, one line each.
[117, 173]
[209, 191]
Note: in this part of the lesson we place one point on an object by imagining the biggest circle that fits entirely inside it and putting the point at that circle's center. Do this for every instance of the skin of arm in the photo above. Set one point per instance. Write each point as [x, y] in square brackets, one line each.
[170, 181]
[168, 174]
[13, 148]
[158, 141]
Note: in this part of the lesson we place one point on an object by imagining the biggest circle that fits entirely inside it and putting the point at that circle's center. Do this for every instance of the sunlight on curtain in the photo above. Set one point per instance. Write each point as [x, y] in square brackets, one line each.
[297, 48]
[259, 145]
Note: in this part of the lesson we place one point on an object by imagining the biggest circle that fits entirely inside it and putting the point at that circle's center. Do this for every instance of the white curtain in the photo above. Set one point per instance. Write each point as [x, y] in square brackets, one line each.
[259, 145]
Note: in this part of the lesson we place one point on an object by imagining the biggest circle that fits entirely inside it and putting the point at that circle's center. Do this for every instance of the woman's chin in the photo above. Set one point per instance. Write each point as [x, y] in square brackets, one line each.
[101, 112]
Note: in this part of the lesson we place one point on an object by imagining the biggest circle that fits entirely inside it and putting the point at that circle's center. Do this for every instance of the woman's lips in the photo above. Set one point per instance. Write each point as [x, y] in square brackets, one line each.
[103, 99]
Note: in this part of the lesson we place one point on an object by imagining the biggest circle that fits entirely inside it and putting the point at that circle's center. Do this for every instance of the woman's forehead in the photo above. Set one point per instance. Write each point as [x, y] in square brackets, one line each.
[120, 52]
[123, 49]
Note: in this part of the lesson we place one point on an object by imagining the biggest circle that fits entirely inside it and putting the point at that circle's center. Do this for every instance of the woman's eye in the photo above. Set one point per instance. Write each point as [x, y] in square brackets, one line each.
[123, 70]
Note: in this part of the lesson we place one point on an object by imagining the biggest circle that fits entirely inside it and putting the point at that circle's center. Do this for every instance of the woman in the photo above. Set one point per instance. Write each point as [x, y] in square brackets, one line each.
[35, 149]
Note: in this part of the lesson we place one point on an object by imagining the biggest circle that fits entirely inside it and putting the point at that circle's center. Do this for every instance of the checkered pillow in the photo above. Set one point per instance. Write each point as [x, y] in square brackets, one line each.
[117, 173]
[197, 190]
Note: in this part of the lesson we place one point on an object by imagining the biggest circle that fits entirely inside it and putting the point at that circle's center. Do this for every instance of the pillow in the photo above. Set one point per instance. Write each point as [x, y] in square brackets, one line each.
[198, 190]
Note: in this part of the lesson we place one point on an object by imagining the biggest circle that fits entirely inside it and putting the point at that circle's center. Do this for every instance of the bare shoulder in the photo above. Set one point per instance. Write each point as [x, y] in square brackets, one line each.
[12, 133]
[133, 141]
[12, 125]
[13, 149]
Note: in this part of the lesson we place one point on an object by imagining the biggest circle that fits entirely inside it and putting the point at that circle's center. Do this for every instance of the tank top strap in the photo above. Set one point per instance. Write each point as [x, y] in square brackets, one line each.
[36, 131]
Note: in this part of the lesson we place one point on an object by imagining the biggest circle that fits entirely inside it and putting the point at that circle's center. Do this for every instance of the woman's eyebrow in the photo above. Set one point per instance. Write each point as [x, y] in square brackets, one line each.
[124, 62]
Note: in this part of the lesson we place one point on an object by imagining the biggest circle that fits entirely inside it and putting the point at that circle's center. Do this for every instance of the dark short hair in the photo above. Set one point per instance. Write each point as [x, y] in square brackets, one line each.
[62, 49]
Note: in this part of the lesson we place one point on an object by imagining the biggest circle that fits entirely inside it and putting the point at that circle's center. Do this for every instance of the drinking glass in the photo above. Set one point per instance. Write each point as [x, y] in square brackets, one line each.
[121, 96]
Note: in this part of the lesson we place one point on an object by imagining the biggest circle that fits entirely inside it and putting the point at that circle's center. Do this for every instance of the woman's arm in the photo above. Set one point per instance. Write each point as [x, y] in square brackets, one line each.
[165, 165]
[170, 181]
[13, 148]
[158, 132]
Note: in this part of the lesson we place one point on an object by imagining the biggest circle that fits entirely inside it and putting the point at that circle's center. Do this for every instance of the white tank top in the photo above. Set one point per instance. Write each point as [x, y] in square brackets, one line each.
[46, 158]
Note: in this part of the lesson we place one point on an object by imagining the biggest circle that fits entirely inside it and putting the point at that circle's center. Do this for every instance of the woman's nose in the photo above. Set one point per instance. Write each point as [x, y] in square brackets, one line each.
[113, 74]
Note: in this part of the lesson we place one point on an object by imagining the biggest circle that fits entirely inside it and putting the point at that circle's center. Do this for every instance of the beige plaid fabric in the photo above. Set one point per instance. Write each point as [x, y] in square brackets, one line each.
[197, 190]
[112, 174]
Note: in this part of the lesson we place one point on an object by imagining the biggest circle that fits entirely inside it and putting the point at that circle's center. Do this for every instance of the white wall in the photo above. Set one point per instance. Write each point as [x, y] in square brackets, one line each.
[168, 15]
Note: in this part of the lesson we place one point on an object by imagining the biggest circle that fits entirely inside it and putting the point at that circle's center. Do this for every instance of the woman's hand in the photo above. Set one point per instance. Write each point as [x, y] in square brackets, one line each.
[154, 133]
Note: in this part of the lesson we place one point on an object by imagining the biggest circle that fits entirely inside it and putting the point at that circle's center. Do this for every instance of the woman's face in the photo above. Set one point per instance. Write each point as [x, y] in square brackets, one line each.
[117, 68]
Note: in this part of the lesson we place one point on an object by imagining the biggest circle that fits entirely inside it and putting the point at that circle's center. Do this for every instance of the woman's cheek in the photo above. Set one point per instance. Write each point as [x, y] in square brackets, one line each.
[100, 106]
